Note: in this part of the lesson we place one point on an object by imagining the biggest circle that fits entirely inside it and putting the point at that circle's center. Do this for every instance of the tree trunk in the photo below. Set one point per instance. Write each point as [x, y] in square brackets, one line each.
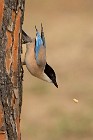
[11, 71]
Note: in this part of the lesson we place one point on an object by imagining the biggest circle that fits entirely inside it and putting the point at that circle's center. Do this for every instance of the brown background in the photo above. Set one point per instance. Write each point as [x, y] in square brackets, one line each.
[49, 113]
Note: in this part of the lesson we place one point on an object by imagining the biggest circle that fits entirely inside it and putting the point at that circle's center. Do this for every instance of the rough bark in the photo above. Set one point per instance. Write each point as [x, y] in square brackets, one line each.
[11, 72]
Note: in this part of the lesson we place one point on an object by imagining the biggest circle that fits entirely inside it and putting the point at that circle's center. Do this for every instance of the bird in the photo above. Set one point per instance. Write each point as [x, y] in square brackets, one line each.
[35, 57]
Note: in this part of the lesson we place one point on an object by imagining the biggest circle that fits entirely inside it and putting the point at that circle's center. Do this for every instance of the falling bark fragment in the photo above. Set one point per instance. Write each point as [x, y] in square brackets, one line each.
[75, 100]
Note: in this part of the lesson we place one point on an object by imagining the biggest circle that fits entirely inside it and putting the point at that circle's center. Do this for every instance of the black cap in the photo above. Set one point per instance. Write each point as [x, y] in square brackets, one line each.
[51, 74]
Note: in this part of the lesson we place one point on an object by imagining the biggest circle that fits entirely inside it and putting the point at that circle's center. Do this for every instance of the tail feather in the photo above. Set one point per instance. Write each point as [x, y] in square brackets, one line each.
[42, 36]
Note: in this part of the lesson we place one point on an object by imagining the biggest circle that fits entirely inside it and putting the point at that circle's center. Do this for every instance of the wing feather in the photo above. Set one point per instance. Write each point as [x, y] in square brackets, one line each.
[40, 51]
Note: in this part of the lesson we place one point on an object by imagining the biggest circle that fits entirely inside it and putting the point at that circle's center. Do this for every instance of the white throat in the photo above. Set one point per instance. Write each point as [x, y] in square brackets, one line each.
[46, 78]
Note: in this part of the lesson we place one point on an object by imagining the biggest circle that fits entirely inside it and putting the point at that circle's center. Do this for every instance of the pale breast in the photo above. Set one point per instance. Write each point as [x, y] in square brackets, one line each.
[42, 56]
[30, 60]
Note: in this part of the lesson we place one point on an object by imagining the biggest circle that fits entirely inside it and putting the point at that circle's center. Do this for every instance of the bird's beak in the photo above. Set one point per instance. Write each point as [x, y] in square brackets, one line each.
[55, 83]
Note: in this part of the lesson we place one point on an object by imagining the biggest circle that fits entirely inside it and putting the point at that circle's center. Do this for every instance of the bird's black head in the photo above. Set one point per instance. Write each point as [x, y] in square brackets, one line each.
[51, 74]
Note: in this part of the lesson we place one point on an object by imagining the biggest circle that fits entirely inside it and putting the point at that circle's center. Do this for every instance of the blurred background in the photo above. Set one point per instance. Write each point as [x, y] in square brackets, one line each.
[49, 113]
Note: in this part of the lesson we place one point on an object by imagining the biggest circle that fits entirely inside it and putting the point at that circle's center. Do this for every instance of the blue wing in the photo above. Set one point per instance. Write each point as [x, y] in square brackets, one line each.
[40, 50]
